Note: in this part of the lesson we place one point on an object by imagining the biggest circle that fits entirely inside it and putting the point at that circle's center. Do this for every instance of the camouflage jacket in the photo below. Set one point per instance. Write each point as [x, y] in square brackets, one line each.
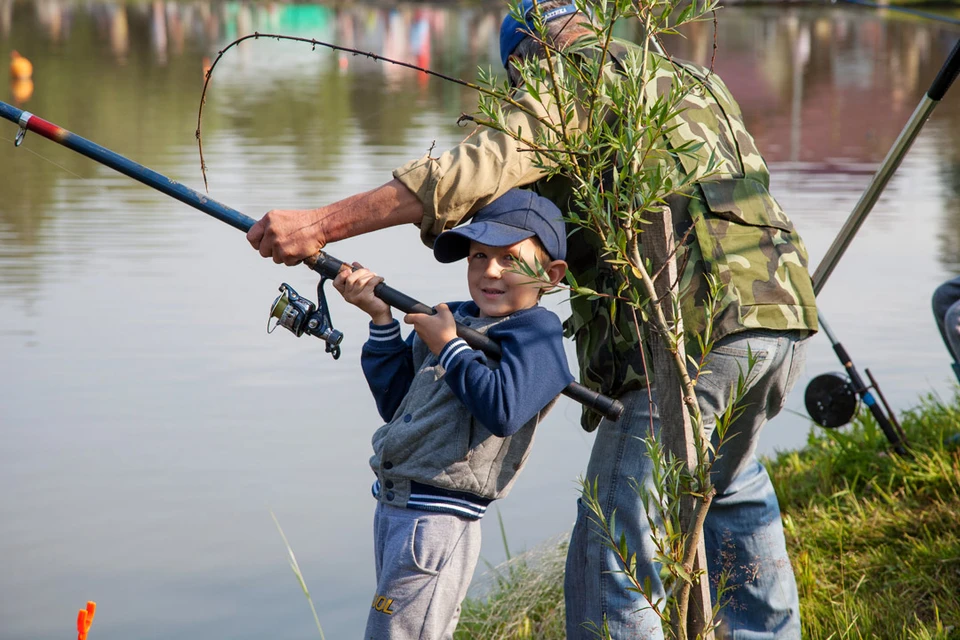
[740, 234]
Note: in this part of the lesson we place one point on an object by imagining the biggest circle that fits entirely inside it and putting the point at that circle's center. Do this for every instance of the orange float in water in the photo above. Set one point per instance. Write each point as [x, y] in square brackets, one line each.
[22, 89]
[20, 67]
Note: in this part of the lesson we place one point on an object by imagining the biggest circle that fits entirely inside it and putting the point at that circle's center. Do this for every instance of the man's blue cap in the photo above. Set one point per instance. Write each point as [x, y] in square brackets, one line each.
[512, 32]
[515, 216]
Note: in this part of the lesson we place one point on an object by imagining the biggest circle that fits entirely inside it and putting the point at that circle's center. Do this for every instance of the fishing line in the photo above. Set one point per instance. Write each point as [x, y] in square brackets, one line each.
[11, 140]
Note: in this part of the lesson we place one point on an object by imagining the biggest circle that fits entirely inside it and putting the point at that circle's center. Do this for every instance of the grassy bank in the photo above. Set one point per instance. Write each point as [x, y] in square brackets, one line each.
[874, 539]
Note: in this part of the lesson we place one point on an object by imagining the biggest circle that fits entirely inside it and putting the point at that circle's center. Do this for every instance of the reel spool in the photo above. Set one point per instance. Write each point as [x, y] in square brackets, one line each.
[297, 314]
[831, 400]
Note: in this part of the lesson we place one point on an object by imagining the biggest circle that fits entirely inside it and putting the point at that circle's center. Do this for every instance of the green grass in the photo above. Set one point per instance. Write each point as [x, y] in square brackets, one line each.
[521, 598]
[874, 539]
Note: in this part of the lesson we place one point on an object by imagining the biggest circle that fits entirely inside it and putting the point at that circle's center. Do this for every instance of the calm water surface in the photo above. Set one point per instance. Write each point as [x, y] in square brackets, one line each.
[149, 423]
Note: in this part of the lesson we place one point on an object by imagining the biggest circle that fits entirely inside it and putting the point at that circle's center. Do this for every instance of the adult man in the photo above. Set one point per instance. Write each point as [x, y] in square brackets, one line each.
[740, 236]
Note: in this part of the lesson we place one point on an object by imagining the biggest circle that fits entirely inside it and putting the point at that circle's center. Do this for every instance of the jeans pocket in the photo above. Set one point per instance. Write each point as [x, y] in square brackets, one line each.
[798, 358]
[739, 345]
[430, 542]
[731, 357]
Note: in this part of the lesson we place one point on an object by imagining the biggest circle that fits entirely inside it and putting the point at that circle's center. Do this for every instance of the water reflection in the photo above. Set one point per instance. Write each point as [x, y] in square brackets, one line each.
[827, 91]
[830, 90]
[135, 68]
[135, 368]
[402, 32]
[948, 250]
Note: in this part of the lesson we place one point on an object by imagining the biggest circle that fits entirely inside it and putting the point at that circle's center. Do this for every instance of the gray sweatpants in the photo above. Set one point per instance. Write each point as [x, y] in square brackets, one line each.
[424, 562]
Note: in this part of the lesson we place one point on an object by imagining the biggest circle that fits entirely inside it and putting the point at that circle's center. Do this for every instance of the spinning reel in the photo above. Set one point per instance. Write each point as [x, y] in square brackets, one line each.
[294, 312]
[831, 400]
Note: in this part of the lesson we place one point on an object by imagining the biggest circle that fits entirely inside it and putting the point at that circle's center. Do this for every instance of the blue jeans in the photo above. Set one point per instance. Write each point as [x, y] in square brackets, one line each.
[946, 311]
[743, 532]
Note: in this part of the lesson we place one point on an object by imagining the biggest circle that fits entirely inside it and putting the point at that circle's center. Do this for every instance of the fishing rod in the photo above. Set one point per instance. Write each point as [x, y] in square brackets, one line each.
[830, 399]
[289, 310]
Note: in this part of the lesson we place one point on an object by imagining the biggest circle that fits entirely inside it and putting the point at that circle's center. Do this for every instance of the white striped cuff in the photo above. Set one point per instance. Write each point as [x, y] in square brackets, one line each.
[385, 332]
[450, 351]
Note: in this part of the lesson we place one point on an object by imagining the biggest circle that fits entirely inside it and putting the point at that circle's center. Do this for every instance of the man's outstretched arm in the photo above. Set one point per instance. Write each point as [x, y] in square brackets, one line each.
[290, 236]
[434, 193]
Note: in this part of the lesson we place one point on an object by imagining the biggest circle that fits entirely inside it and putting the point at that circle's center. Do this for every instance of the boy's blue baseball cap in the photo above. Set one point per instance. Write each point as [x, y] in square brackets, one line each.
[513, 32]
[516, 215]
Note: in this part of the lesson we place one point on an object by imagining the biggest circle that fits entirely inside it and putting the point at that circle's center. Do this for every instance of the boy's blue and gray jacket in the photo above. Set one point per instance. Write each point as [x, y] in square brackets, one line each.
[460, 426]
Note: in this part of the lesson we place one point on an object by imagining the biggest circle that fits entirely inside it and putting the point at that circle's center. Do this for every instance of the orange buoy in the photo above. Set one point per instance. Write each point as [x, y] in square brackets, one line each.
[20, 67]
[22, 89]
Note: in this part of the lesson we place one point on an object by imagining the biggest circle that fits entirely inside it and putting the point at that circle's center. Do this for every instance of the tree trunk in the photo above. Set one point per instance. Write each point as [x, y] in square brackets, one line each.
[676, 431]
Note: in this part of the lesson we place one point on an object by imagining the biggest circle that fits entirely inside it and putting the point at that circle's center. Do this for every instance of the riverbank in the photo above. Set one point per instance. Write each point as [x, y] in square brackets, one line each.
[874, 540]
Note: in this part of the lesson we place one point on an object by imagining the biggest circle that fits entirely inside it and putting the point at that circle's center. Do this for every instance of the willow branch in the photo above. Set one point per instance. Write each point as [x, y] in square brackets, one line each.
[554, 87]
[692, 541]
[530, 144]
[595, 89]
[713, 57]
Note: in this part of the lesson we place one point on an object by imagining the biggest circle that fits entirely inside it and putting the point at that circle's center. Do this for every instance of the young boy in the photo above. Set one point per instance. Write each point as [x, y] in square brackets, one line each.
[459, 424]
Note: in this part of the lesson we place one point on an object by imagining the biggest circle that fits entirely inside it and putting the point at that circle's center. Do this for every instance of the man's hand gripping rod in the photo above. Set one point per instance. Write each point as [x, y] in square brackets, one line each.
[322, 263]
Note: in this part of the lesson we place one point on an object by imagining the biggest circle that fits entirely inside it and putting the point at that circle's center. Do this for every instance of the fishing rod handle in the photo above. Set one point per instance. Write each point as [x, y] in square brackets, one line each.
[864, 392]
[328, 266]
[609, 408]
[948, 73]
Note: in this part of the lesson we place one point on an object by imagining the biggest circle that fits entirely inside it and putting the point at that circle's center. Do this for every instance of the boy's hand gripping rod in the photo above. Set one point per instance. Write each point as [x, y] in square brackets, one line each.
[328, 266]
[324, 264]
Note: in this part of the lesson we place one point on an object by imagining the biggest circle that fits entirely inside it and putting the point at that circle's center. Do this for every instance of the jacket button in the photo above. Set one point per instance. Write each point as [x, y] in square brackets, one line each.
[407, 418]
[388, 484]
[389, 495]
[388, 465]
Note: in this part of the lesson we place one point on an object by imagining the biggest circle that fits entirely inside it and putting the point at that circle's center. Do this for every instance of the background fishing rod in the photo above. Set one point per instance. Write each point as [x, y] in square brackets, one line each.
[946, 76]
[830, 399]
[324, 264]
